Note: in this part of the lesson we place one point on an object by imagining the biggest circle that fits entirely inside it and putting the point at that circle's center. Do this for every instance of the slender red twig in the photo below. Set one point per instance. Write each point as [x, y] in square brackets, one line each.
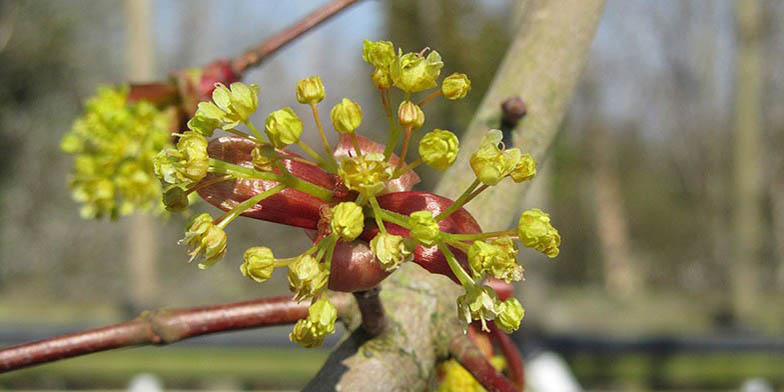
[256, 55]
[160, 327]
[468, 354]
[513, 358]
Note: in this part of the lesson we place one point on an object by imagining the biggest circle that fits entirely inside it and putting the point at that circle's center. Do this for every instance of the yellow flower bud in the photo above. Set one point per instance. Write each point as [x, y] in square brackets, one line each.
[263, 156]
[202, 124]
[491, 164]
[412, 73]
[185, 165]
[175, 199]
[455, 86]
[283, 127]
[347, 220]
[310, 90]
[536, 232]
[311, 331]
[366, 174]
[307, 277]
[379, 54]
[524, 170]
[346, 116]
[424, 228]
[496, 258]
[510, 314]
[478, 303]
[203, 236]
[410, 115]
[259, 263]
[391, 250]
[438, 148]
[381, 79]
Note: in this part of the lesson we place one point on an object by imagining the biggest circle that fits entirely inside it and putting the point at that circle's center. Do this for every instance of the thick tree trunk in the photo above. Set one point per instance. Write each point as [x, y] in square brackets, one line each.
[542, 66]
[142, 230]
[745, 271]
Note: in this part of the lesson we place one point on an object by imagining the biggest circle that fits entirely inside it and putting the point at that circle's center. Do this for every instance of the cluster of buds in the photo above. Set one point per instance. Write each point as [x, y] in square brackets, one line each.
[355, 199]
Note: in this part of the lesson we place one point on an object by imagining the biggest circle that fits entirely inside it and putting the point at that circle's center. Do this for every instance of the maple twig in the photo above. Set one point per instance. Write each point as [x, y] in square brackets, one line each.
[471, 357]
[513, 358]
[161, 327]
[257, 54]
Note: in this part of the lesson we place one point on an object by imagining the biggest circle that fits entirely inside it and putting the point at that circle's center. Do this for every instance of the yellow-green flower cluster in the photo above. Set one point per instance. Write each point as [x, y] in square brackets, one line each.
[307, 277]
[184, 165]
[481, 303]
[366, 174]
[347, 220]
[310, 90]
[496, 258]
[438, 148]
[490, 163]
[230, 107]
[283, 127]
[391, 250]
[114, 142]
[311, 331]
[259, 263]
[536, 232]
[424, 227]
[346, 116]
[207, 239]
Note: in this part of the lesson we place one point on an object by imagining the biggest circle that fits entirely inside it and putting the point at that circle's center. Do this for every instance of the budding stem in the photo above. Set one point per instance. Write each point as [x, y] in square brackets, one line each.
[460, 202]
[242, 207]
[206, 183]
[454, 265]
[255, 131]
[330, 158]
[403, 154]
[394, 131]
[430, 97]
[407, 168]
[355, 142]
[479, 236]
[237, 171]
[239, 133]
[377, 214]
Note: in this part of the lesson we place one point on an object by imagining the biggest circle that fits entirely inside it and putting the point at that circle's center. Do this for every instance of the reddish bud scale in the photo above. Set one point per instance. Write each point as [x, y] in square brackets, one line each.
[353, 265]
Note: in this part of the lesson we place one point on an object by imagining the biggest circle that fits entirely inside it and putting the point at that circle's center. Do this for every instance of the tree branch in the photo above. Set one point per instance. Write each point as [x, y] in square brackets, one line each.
[513, 359]
[256, 55]
[373, 318]
[465, 351]
[161, 327]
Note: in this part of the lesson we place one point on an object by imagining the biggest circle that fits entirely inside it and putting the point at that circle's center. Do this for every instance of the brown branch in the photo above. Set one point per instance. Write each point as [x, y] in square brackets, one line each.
[255, 56]
[470, 356]
[162, 327]
[513, 359]
[373, 319]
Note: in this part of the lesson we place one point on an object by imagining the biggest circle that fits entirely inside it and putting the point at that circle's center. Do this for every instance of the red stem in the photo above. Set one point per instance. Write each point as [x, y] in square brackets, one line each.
[465, 351]
[513, 358]
[160, 327]
[256, 55]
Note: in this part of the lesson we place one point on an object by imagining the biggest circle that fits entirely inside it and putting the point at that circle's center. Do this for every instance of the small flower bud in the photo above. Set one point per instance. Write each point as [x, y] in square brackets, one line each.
[379, 54]
[438, 148]
[203, 236]
[412, 73]
[346, 116]
[455, 86]
[424, 228]
[410, 115]
[366, 174]
[259, 263]
[510, 314]
[311, 331]
[478, 303]
[263, 156]
[381, 79]
[524, 170]
[310, 90]
[536, 232]
[489, 163]
[307, 277]
[175, 199]
[283, 127]
[185, 165]
[347, 220]
[391, 250]
[203, 125]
